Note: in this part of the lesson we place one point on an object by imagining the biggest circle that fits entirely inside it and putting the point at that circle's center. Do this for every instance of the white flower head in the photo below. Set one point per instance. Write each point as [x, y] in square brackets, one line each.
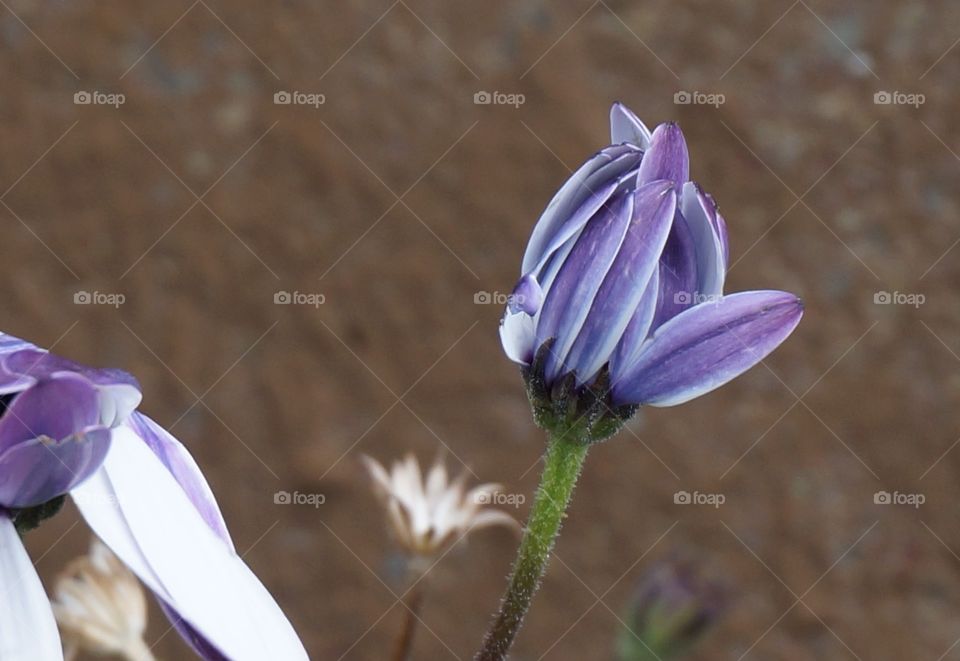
[428, 514]
[100, 607]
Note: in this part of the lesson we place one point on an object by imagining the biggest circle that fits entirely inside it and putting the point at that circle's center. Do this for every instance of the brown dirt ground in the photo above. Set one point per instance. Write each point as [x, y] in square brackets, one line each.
[290, 394]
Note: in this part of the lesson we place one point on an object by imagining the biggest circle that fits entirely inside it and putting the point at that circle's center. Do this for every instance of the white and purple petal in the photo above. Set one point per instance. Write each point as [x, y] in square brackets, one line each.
[138, 508]
[700, 212]
[627, 127]
[706, 346]
[652, 210]
[568, 300]
[577, 201]
[184, 469]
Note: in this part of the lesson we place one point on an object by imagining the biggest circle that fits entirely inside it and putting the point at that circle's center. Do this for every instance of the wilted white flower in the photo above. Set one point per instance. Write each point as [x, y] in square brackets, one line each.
[101, 608]
[427, 515]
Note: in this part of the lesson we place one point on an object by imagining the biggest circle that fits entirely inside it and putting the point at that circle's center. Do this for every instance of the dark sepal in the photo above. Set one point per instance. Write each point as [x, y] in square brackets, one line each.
[561, 407]
[28, 518]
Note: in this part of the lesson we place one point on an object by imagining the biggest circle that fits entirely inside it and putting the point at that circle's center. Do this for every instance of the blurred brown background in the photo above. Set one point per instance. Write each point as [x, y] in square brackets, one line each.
[399, 199]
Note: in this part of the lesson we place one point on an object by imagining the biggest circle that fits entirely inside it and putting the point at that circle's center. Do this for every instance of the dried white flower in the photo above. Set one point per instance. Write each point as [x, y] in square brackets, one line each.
[427, 515]
[100, 607]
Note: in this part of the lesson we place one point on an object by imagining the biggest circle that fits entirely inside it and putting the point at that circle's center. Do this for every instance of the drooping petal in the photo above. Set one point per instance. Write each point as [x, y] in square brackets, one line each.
[652, 209]
[678, 272]
[53, 408]
[706, 346]
[578, 199]
[667, 157]
[140, 511]
[639, 327]
[627, 127]
[120, 390]
[184, 469]
[28, 630]
[568, 300]
[38, 470]
[700, 212]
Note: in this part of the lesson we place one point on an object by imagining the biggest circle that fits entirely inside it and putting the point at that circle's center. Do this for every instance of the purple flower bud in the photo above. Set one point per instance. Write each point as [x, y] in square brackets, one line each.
[674, 605]
[621, 287]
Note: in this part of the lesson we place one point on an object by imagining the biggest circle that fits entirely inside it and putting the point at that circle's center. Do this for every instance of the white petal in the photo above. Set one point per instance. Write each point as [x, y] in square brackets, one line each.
[28, 631]
[517, 334]
[206, 583]
[98, 502]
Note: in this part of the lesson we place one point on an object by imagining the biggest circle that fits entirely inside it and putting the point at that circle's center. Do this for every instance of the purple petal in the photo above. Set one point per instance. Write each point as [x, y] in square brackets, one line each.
[652, 212]
[526, 296]
[706, 346]
[55, 408]
[639, 327]
[678, 272]
[627, 127]
[700, 212]
[667, 157]
[569, 299]
[120, 390]
[184, 469]
[578, 199]
[39, 470]
[28, 629]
